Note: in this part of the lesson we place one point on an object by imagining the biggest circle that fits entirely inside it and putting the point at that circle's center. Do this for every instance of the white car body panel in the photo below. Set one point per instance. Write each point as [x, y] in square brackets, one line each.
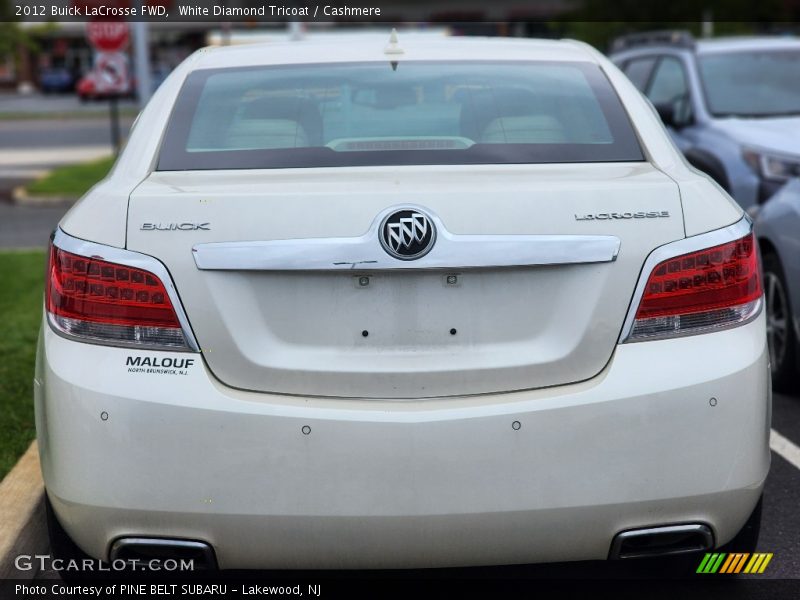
[532, 435]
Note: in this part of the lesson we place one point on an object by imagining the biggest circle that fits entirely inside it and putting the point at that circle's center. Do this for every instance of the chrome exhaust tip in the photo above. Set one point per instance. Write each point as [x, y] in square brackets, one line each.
[668, 540]
[143, 550]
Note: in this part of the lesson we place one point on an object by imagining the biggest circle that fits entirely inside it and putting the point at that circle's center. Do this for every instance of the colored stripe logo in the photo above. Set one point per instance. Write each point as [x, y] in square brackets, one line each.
[735, 562]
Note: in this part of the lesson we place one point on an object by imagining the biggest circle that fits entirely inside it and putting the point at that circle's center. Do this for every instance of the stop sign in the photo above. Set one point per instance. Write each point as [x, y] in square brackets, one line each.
[107, 36]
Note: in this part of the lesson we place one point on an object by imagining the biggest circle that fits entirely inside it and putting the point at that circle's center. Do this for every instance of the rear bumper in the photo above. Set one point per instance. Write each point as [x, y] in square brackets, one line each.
[545, 475]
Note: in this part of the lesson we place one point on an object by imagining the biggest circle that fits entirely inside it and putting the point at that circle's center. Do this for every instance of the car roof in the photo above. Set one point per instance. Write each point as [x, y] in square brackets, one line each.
[740, 44]
[371, 48]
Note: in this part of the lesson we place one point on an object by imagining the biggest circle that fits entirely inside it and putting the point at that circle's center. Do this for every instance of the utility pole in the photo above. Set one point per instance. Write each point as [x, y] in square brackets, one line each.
[708, 24]
[296, 30]
[141, 61]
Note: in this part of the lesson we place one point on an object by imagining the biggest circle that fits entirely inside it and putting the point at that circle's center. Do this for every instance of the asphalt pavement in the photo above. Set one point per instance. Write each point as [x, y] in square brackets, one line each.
[780, 525]
[44, 104]
[31, 144]
[27, 226]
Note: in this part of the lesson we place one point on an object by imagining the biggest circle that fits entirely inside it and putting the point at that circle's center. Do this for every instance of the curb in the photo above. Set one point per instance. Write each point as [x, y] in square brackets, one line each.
[21, 197]
[22, 515]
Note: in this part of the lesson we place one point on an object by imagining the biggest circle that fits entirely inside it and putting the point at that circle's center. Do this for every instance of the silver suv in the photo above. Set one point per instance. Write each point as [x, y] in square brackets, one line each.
[732, 105]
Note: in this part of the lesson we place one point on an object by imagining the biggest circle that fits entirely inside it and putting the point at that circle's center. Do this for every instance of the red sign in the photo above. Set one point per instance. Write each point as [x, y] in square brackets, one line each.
[107, 36]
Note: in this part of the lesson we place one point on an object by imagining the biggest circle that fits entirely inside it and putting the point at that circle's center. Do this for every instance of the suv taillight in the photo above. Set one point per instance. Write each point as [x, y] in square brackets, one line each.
[700, 291]
[104, 302]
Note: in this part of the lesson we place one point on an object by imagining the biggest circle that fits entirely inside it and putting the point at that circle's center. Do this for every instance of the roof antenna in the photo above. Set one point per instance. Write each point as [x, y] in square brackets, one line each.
[393, 48]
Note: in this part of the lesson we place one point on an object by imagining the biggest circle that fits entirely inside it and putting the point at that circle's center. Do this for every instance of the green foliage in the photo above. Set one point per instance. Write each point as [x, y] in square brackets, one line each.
[11, 36]
[22, 274]
[598, 22]
[73, 180]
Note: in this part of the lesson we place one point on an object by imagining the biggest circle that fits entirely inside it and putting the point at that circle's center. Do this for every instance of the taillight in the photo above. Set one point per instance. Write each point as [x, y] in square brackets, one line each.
[105, 302]
[700, 291]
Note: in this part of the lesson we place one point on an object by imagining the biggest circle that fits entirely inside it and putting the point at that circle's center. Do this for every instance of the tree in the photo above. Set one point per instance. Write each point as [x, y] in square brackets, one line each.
[11, 36]
[598, 22]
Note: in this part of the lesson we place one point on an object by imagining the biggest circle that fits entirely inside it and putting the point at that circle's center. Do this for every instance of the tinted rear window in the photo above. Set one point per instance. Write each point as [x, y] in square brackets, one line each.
[410, 113]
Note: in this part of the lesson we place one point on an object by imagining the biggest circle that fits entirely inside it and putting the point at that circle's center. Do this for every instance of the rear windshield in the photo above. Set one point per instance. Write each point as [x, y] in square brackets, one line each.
[406, 113]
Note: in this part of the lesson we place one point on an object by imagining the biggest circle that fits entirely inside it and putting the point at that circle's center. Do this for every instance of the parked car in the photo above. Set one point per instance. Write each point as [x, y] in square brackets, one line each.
[778, 231]
[86, 88]
[423, 304]
[56, 80]
[732, 105]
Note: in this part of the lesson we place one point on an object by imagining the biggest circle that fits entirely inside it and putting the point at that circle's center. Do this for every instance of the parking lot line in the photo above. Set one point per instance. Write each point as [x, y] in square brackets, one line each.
[788, 450]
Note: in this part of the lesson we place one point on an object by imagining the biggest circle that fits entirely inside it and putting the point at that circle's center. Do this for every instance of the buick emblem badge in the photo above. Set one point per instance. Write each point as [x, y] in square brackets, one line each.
[407, 234]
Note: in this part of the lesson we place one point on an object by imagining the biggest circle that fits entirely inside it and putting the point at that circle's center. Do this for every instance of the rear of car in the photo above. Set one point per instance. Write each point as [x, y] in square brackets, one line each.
[454, 303]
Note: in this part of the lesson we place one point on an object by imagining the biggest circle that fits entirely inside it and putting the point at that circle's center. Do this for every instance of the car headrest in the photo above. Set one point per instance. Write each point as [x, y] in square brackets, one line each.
[302, 110]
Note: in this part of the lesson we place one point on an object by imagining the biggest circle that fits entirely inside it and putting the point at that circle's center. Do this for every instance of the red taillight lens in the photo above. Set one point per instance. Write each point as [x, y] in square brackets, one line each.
[709, 288]
[104, 301]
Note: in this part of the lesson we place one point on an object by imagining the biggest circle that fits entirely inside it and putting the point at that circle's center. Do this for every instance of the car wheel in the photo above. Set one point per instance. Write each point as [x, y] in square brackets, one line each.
[780, 331]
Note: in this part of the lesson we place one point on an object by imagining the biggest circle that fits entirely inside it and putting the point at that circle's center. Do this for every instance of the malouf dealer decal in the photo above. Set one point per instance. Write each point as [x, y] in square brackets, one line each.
[157, 365]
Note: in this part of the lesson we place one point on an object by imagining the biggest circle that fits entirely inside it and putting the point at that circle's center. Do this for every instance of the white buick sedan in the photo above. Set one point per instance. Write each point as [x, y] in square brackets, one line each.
[402, 304]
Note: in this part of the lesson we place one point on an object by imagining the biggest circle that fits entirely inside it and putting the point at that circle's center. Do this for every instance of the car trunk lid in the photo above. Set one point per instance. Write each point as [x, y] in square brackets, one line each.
[544, 309]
